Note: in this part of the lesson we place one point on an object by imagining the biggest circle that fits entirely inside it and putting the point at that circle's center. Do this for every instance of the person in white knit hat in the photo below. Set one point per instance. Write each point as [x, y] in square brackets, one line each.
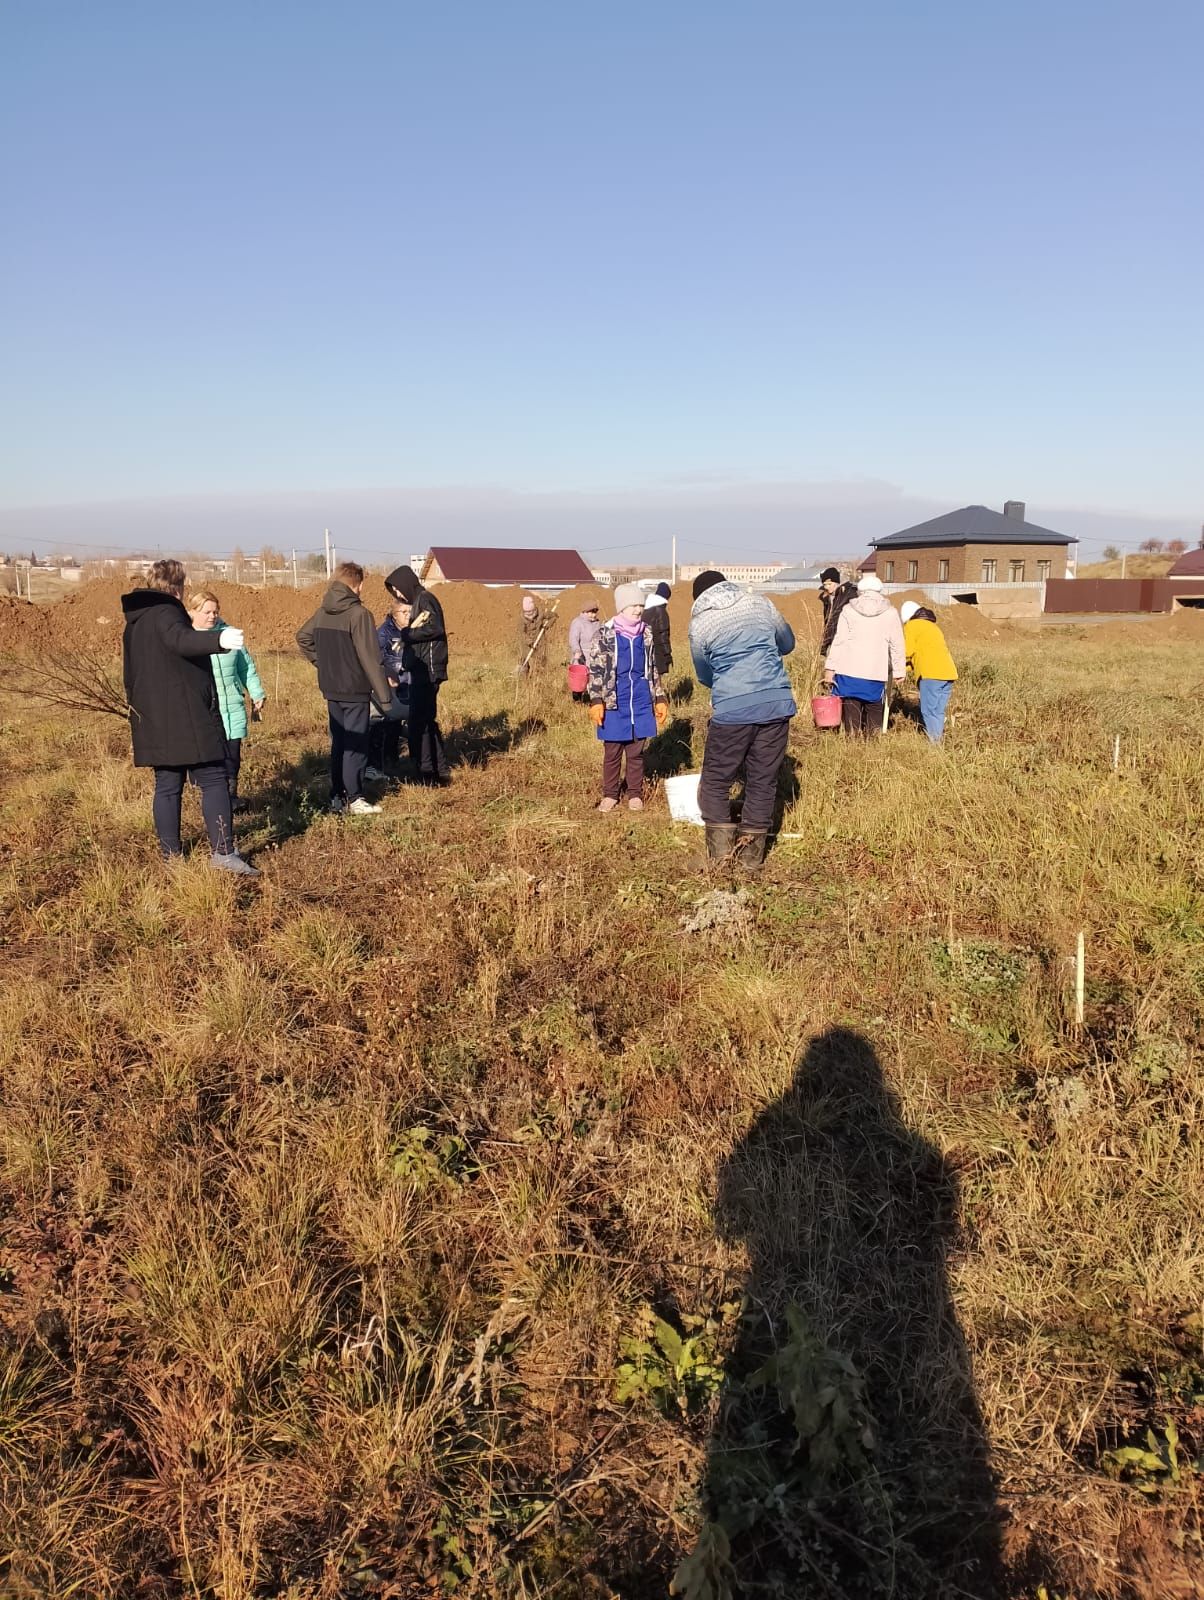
[627, 701]
[866, 652]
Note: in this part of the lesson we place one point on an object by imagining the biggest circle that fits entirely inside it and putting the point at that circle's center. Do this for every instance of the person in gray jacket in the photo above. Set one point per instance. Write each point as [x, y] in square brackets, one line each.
[737, 642]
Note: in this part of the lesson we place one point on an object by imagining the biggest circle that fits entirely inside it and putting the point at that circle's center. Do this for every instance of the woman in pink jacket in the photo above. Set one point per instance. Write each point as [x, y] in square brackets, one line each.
[866, 652]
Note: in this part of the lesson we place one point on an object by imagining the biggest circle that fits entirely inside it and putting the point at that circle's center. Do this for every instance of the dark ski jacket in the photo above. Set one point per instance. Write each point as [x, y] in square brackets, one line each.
[657, 618]
[174, 715]
[425, 657]
[833, 605]
[340, 640]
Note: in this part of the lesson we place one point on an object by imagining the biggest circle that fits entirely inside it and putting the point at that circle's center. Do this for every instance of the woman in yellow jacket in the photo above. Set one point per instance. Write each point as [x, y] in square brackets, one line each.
[931, 665]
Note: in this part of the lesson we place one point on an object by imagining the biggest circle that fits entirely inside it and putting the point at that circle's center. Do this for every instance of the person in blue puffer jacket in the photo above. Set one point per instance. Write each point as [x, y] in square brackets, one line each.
[737, 642]
[627, 701]
[235, 677]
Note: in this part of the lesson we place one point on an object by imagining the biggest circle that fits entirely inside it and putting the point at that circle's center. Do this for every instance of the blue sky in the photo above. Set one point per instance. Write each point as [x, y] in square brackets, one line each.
[571, 250]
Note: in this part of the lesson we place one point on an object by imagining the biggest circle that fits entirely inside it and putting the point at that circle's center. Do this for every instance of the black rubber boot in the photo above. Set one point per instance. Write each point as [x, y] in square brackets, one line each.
[721, 840]
[750, 851]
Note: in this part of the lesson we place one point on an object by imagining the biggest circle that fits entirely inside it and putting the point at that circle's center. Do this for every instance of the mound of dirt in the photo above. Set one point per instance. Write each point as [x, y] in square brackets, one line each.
[476, 616]
[23, 626]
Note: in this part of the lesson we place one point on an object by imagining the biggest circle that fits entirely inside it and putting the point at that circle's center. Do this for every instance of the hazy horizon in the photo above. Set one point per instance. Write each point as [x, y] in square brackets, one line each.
[734, 520]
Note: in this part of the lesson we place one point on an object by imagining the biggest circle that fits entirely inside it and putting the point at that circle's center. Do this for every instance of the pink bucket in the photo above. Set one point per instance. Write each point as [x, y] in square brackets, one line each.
[825, 708]
[578, 677]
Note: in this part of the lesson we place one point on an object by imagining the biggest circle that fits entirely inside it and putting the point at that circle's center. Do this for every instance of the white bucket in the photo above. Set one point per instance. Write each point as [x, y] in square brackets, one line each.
[682, 795]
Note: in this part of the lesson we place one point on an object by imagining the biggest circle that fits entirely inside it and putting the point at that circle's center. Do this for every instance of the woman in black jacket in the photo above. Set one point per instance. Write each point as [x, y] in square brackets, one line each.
[425, 659]
[656, 617]
[174, 717]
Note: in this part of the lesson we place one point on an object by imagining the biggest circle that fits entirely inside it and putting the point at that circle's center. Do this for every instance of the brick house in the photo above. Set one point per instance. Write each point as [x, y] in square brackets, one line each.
[530, 569]
[974, 546]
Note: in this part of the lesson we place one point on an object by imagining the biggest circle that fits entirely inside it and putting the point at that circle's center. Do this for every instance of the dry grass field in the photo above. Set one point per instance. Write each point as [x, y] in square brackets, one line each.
[455, 1211]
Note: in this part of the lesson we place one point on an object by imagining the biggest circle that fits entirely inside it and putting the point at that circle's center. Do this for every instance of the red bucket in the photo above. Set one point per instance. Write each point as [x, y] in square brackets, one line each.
[578, 677]
[825, 708]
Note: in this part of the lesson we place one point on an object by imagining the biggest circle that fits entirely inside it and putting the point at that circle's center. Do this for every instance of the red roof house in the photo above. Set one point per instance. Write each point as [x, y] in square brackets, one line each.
[1189, 565]
[529, 569]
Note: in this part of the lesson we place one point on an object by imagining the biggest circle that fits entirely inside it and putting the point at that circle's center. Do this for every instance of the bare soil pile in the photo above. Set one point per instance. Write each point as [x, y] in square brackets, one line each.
[477, 617]
[23, 626]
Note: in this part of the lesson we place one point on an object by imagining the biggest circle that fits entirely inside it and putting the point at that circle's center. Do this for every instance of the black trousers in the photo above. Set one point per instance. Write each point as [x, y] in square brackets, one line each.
[861, 718]
[233, 765]
[426, 741]
[756, 748]
[384, 742]
[210, 779]
[348, 748]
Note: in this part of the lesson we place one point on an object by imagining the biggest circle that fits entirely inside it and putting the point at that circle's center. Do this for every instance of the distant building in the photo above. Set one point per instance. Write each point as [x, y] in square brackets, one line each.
[737, 572]
[974, 547]
[1189, 565]
[788, 580]
[496, 568]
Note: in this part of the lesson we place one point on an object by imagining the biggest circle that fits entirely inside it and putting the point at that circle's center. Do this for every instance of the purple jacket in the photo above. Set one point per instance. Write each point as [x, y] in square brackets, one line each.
[583, 630]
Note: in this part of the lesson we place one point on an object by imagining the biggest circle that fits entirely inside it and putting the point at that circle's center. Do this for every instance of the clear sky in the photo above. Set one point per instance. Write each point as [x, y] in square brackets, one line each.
[567, 248]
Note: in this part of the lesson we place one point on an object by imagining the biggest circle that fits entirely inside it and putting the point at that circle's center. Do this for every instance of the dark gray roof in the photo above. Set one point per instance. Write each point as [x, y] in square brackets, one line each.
[974, 525]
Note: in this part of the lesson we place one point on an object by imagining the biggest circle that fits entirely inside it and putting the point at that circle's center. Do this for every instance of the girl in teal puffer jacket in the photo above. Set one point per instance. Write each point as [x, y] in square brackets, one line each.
[235, 677]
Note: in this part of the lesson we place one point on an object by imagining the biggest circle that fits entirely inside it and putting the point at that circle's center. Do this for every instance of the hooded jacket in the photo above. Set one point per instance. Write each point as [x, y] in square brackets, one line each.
[609, 660]
[583, 630]
[869, 640]
[737, 642]
[174, 717]
[234, 677]
[340, 640]
[425, 654]
[656, 617]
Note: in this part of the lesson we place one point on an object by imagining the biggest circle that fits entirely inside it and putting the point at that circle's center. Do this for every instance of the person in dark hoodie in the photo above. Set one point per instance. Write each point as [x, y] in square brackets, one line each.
[175, 721]
[424, 657]
[833, 597]
[737, 642]
[340, 640]
[656, 617]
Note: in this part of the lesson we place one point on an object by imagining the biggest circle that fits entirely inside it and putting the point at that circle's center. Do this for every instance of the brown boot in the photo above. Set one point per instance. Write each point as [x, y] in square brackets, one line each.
[721, 840]
[750, 851]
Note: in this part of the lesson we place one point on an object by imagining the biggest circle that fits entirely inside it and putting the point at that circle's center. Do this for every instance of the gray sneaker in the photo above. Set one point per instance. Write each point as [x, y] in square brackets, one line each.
[359, 807]
[234, 863]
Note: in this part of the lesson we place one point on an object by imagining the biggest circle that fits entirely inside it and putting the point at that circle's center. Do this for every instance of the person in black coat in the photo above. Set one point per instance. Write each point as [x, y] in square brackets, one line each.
[425, 659]
[174, 717]
[656, 617]
[833, 597]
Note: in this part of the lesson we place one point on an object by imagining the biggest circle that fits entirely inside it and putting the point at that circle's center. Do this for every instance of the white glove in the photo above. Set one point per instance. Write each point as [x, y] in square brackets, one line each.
[230, 638]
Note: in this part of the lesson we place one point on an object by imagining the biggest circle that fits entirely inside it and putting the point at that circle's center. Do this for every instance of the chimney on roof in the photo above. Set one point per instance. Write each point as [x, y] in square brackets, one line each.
[1014, 509]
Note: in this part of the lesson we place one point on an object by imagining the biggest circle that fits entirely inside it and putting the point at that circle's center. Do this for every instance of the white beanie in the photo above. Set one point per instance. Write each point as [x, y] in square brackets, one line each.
[908, 610]
[869, 584]
[628, 594]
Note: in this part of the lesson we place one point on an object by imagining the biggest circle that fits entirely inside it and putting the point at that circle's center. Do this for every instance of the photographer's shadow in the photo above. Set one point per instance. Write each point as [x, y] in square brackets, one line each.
[849, 1457]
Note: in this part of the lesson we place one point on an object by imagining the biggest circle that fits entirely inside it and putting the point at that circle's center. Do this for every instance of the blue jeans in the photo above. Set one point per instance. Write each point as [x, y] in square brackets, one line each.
[934, 698]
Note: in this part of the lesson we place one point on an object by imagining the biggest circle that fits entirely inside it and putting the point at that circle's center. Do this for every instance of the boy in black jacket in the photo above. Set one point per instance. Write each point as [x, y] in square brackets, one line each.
[425, 659]
[340, 640]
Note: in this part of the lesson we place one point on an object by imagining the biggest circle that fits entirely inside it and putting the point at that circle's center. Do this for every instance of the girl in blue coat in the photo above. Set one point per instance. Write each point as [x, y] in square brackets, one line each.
[235, 677]
[627, 699]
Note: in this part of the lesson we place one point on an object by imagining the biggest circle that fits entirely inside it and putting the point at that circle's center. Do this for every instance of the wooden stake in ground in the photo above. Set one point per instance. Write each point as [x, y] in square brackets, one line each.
[1116, 754]
[1079, 977]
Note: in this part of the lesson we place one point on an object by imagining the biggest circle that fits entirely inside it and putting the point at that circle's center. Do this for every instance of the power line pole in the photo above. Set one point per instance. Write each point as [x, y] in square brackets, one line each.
[296, 585]
[673, 579]
[329, 567]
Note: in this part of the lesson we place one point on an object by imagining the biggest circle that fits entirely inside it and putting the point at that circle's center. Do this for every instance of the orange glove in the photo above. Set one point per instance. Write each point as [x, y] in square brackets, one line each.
[597, 713]
[661, 712]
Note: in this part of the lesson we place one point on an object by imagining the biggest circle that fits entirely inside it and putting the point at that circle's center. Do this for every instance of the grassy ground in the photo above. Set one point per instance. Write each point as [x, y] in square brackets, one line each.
[441, 1216]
